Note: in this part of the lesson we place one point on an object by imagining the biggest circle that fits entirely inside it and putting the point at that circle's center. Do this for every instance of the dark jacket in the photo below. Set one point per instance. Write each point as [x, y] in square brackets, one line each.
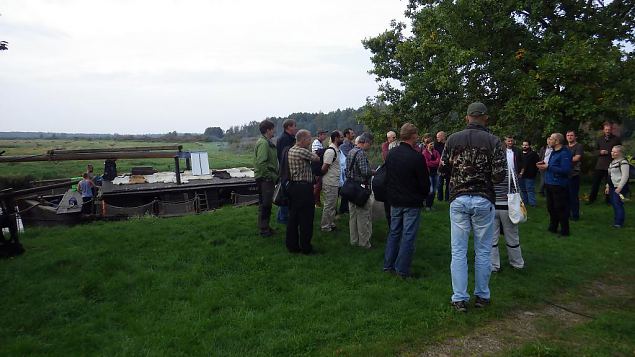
[558, 168]
[518, 159]
[529, 160]
[475, 160]
[604, 143]
[284, 140]
[407, 179]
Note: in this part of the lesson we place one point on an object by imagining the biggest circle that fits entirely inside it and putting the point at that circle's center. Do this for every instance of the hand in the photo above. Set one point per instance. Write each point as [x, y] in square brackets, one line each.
[618, 190]
[606, 191]
[604, 152]
[541, 166]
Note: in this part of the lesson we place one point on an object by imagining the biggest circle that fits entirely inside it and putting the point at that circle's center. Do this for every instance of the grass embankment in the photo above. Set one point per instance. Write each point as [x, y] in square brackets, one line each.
[220, 156]
[209, 285]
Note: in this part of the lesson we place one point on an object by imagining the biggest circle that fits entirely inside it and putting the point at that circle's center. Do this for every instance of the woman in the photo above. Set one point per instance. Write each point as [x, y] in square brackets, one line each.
[433, 157]
[617, 185]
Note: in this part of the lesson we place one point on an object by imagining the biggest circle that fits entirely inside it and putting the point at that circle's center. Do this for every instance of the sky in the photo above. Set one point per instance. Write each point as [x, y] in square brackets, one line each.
[141, 66]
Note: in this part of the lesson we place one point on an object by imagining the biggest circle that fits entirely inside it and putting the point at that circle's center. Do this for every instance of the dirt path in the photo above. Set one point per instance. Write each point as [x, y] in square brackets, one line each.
[526, 326]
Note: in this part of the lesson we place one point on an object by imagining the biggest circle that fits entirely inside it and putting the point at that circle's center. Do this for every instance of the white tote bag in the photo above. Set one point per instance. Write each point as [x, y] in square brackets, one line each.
[516, 208]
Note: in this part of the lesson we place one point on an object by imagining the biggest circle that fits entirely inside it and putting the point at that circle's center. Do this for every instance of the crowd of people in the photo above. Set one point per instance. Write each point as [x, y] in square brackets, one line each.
[471, 169]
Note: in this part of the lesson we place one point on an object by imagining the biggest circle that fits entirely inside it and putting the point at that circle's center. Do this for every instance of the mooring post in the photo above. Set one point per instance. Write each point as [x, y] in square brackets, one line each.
[177, 170]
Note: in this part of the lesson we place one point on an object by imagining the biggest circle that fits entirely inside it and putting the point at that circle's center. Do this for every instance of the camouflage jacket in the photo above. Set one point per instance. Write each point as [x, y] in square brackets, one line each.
[475, 161]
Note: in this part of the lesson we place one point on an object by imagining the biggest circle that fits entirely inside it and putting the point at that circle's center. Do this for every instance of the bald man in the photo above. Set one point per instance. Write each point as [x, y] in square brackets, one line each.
[391, 136]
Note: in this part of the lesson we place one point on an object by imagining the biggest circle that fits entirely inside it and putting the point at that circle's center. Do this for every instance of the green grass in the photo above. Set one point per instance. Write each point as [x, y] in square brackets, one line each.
[209, 285]
[220, 156]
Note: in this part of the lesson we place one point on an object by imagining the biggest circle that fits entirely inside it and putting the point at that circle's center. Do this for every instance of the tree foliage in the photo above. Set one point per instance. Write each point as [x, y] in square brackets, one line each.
[539, 66]
[339, 119]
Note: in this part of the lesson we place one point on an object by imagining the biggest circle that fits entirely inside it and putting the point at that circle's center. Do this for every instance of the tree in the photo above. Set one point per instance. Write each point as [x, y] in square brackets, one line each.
[539, 66]
[215, 132]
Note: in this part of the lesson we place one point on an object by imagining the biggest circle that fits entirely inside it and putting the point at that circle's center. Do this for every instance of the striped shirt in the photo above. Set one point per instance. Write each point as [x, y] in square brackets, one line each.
[316, 145]
[300, 164]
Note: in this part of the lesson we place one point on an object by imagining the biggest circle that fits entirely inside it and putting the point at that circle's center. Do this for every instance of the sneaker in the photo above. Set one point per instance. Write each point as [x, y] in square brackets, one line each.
[460, 306]
[266, 234]
[617, 226]
[481, 302]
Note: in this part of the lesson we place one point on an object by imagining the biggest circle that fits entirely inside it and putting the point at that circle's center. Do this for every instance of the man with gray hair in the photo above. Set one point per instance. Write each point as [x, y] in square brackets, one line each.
[475, 160]
[358, 170]
[557, 171]
[391, 136]
[300, 191]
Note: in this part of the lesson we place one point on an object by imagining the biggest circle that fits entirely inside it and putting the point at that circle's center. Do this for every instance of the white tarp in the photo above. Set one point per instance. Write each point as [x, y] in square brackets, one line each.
[186, 176]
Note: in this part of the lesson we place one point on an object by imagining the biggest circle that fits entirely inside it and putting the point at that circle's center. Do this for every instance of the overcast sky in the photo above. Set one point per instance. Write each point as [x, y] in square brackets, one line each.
[141, 66]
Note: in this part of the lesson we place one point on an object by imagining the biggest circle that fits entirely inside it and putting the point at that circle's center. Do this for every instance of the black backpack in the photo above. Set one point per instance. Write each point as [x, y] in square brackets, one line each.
[380, 188]
[316, 166]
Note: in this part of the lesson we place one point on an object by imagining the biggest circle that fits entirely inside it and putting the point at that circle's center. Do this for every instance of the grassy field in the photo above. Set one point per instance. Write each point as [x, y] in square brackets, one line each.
[209, 285]
[220, 156]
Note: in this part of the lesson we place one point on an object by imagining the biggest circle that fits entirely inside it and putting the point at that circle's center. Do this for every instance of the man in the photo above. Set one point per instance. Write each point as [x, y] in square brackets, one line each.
[331, 181]
[475, 161]
[287, 139]
[556, 180]
[391, 136]
[444, 180]
[514, 155]
[604, 145]
[347, 145]
[577, 151]
[345, 148]
[408, 186]
[358, 170]
[266, 174]
[300, 190]
[317, 143]
[544, 154]
[504, 225]
[528, 173]
[315, 146]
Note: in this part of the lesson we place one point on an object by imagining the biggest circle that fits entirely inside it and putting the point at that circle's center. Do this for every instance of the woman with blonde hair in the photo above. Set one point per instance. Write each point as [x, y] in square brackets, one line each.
[617, 185]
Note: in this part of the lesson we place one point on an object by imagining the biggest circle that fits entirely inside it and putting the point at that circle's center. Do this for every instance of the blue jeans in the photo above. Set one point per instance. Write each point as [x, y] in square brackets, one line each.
[434, 182]
[618, 205]
[404, 226]
[469, 213]
[574, 200]
[528, 191]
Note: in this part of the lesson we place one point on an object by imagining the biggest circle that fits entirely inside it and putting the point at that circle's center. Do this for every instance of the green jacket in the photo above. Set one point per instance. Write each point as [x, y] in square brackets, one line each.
[266, 162]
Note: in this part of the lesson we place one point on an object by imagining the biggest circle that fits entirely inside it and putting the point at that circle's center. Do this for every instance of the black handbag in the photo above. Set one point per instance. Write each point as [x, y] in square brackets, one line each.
[354, 191]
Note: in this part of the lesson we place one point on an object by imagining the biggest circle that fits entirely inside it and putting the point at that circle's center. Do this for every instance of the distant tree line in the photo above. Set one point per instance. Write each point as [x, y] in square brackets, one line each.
[339, 119]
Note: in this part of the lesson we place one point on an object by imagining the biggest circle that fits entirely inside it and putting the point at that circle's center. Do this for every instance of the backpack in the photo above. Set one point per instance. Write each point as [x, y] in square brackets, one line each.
[316, 166]
[380, 188]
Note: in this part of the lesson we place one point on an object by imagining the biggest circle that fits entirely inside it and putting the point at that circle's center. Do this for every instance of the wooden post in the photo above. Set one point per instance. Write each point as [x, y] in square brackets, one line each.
[177, 170]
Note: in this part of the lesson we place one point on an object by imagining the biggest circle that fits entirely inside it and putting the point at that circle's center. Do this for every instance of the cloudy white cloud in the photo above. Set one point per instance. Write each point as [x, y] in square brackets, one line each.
[156, 66]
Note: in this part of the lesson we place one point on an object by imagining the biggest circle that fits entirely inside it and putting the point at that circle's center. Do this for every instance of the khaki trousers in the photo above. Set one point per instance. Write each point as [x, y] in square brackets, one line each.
[329, 196]
[360, 224]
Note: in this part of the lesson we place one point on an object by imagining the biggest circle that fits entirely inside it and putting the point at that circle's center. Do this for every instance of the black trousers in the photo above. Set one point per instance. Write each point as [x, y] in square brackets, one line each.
[558, 207]
[301, 212]
[599, 177]
[265, 201]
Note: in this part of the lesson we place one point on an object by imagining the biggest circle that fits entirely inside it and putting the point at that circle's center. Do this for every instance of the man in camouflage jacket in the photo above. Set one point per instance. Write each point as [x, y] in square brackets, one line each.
[475, 160]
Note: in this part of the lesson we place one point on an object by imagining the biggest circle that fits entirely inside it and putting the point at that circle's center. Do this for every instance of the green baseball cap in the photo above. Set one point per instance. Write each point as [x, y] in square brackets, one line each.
[476, 109]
